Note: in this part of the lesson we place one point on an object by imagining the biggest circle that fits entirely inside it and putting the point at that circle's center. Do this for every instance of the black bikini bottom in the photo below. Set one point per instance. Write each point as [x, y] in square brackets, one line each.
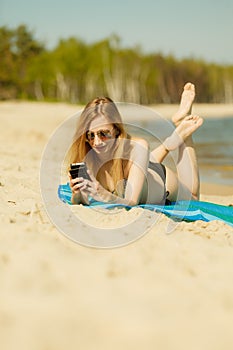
[161, 171]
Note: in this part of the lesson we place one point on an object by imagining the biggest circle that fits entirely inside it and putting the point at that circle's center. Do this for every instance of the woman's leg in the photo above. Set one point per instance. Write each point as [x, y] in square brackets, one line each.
[184, 184]
[186, 181]
[185, 109]
[186, 103]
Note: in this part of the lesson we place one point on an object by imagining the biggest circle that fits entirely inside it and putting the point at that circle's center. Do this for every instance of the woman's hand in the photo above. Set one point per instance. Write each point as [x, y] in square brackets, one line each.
[82, 189]
[78, 186]
[94, 189]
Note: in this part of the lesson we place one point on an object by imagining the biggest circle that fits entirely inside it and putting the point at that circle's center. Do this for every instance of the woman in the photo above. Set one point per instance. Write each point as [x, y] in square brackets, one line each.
[122, 169]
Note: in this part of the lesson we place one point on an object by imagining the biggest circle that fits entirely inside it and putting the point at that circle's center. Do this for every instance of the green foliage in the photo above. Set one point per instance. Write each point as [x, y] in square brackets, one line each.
[17, 49]
[77, 72]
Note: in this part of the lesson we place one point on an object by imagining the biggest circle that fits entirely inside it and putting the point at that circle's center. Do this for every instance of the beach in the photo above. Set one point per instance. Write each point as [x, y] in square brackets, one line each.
[162, 291]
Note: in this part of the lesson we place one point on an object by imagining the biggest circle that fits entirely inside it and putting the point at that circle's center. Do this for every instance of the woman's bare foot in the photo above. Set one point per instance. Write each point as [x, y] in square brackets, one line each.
[185, 129]
[186, 103]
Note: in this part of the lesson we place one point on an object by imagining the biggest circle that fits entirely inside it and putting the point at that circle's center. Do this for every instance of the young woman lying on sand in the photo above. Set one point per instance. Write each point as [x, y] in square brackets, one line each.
[121, 167]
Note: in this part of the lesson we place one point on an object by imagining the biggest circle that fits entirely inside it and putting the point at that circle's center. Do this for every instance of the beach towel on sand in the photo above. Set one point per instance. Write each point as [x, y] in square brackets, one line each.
[181, 210]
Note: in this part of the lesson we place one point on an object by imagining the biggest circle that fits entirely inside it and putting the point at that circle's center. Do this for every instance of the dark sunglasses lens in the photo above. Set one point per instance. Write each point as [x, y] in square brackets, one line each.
[90, 136]
[104, 134]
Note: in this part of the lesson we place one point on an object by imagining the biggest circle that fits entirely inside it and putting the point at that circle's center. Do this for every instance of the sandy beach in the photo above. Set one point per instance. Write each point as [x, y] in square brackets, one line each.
[163, 291]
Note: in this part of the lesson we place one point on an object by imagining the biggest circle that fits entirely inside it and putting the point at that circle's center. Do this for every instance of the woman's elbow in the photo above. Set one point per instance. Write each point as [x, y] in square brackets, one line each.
[133, 202]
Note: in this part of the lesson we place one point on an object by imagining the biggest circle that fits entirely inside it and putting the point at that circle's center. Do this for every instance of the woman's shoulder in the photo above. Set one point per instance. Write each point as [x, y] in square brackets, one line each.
[139, 148]
[139, 141]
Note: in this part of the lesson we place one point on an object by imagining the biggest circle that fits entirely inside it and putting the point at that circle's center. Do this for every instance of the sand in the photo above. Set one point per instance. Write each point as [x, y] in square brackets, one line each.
[163, 291]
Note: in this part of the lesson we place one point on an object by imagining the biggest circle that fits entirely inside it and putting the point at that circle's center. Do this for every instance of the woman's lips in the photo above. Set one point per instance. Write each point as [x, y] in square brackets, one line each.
[99, 148]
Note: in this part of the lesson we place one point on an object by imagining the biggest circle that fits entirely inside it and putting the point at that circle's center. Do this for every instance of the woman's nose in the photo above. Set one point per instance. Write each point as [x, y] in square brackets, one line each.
[97, 140]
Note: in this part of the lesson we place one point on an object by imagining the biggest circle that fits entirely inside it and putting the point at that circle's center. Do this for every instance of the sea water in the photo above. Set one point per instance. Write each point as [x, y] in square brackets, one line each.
[214, 145]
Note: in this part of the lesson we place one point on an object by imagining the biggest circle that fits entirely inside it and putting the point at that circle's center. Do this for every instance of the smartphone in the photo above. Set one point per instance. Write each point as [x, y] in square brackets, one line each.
[79, 170]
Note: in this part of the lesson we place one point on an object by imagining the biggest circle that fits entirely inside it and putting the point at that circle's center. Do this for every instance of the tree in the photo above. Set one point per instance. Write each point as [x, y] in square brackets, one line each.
[76, 72]
[7, 65]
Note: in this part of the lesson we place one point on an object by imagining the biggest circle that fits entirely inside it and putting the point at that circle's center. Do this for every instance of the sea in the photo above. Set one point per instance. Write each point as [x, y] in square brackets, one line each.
[213, 140]
[214, 145]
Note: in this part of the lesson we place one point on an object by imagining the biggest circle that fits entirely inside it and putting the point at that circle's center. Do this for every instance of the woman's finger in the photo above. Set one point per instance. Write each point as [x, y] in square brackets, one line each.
[77, 180]
[80, 186]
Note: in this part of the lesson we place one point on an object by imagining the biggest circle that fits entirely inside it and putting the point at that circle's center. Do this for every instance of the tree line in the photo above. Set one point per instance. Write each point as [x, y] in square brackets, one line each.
[76, 72]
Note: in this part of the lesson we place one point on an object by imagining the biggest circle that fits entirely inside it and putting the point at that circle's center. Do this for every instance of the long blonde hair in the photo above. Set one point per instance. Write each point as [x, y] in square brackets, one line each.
[81, 147]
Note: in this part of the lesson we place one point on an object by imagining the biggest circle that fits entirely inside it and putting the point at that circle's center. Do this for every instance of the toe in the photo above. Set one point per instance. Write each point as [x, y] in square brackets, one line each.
[189, 86]
[189, 117]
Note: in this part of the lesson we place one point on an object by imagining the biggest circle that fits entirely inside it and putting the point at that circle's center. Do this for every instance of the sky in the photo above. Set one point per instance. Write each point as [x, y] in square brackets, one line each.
[202, 29]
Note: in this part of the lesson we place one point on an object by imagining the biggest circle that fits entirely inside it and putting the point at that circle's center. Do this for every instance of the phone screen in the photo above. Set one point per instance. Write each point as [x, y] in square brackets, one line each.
[79, 170]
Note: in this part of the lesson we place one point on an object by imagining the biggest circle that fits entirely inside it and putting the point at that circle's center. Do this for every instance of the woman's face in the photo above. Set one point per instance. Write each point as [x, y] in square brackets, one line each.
[101, 135]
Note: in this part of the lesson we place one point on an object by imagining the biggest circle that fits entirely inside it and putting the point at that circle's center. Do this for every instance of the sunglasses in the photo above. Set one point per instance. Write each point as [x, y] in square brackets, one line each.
[104, 134]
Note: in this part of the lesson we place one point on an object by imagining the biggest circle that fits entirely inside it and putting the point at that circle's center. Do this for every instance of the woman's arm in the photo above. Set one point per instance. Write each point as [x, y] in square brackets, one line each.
[137, 173]
[82, 189]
